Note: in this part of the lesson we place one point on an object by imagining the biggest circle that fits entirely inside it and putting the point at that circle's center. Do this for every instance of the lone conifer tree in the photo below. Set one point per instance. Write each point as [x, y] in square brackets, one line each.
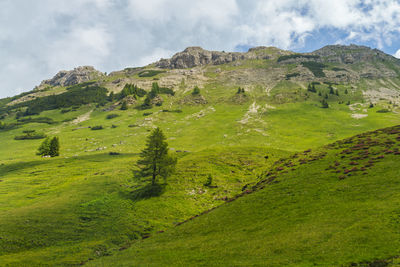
[54, 147]
[124, 105]
[44, 148]
[155, 161]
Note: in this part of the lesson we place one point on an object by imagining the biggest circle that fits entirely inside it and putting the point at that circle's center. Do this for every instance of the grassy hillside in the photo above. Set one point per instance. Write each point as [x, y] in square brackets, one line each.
[86, 204]
[334, 206]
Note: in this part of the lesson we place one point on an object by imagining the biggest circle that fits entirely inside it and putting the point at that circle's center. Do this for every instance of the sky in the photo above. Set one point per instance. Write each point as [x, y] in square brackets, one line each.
[39, 38]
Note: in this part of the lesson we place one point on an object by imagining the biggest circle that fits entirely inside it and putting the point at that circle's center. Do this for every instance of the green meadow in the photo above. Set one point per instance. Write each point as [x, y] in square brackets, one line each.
[86, 207]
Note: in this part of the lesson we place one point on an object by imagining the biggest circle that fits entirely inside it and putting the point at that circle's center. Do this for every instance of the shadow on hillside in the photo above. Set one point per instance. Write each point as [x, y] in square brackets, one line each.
[17, 166]
[100, 157]
[147, 191]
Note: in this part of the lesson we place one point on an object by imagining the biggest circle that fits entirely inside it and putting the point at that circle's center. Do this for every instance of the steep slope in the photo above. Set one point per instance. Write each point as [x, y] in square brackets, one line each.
[334, 206]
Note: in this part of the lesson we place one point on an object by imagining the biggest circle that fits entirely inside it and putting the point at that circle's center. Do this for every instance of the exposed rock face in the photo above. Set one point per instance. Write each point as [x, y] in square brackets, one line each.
[75, 76]
[197, 56]
[349, 54]
[157, 101]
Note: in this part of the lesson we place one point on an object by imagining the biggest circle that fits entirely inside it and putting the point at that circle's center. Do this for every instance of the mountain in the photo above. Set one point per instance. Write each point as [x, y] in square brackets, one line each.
[241, 118]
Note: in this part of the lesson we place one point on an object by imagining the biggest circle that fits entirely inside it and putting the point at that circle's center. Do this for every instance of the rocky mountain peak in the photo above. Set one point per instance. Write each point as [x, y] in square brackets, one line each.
[348, 54]
[75, 76]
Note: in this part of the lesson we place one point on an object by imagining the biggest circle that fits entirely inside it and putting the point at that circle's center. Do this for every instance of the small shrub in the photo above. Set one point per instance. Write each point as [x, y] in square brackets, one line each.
[124, 106]
[114, 153]
[196, 91]
[97, 127]
[385, 110]
[208, 181]
[114, 126]
[150, 73]
[324, 104]
[29, 136]
[147, 113]
[111, 116]
[291, 75]
[65, 110]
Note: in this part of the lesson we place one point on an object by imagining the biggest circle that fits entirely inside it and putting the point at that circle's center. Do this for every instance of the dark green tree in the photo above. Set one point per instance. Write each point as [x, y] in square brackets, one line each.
[196, 91]
[147, 103]
[331, 91]
[44, 148]
[111, 96]
[54, 147]
[124, 105]
[208, 181]
[346, 91]
[155, 160]
[155, 90]
[324, 104]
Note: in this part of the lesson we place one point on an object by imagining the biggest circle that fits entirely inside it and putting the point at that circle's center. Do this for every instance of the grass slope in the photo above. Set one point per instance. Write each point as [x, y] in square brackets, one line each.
[335, 206]
[85, 204]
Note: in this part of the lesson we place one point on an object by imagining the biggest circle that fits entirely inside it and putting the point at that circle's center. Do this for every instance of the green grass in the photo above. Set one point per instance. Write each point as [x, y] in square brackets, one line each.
[85, 204]
[305, 216]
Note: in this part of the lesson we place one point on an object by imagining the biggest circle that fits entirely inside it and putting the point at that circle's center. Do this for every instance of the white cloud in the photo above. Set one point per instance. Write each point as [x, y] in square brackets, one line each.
[397, 54]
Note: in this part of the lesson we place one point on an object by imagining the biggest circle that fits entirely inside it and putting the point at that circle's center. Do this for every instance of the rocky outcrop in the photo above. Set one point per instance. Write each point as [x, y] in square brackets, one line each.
[197, 56]
[75, 76]
[350, 54]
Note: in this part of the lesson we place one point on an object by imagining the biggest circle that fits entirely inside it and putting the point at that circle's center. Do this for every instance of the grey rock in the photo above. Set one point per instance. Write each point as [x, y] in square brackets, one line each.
[75, 76]
[197, 56]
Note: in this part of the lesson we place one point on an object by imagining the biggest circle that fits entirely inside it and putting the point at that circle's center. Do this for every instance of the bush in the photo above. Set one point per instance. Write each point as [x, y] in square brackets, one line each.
[324, 104]
[37, 120]
[385, 110]
[150, 73]
[147, 113]
[30, 135]
[174, 111]
[124, 106]
[111, 116]
[283, 58]
[290, 75]
[208, 181]
[315, 67]
[97, 127]
[114, 126]
[196, 91]
[65, 110]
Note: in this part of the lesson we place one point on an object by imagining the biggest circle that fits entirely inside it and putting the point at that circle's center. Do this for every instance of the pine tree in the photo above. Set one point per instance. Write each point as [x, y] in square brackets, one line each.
[44, 148]
[155, 90]
[324, 104]
[111, 96]
[124, 105]
[155, 161]
[331, 91]
[196, 91]
[313, 88]
[54, 147]
[147, 103]
[346, 91]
